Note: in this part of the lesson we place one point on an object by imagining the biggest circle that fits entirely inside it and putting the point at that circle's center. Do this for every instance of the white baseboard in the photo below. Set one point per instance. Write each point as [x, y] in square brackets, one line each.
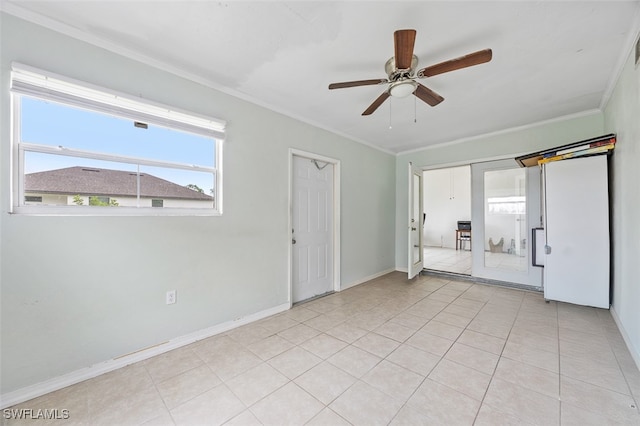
[365, 279]
[632, 350]
[38, 389]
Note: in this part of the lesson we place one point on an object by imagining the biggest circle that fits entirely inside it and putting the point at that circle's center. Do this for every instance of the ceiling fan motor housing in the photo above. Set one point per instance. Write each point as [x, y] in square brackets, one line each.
[402, 83]
[396, 74]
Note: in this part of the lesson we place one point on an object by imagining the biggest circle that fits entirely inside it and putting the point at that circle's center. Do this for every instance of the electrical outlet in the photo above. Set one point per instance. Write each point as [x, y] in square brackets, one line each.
[171, 297]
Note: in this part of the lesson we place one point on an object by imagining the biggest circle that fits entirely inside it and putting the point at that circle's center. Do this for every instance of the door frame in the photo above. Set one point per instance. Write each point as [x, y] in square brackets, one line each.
[336, 218]
[463, 163]
[536, 193]
[426, 170]
[415, 266]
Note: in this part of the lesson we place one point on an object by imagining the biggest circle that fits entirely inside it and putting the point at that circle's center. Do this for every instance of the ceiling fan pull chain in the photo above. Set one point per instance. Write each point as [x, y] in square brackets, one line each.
[415, 114]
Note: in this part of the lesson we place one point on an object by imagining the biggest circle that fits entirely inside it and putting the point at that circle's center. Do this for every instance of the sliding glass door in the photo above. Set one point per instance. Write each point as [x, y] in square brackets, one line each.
[505, 207]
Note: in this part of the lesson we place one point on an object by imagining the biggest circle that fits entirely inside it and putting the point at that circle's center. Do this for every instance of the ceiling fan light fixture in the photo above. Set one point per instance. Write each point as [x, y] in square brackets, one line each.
[402, 89]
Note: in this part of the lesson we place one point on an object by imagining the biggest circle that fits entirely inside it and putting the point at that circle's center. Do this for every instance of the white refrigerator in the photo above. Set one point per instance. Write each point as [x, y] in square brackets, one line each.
[576, 223]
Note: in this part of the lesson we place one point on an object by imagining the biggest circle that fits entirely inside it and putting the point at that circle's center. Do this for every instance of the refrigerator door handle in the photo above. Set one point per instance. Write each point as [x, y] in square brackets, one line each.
[547, 249]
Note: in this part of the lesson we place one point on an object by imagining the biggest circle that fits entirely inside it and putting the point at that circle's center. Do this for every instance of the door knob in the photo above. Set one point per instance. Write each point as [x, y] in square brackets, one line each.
[293, 241]
[414, 229]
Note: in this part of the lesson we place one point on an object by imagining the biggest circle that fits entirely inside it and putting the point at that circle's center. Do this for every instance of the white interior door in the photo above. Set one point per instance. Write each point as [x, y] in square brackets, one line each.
[416, 252]
[312, 228]
[505, 207]
[576, 266]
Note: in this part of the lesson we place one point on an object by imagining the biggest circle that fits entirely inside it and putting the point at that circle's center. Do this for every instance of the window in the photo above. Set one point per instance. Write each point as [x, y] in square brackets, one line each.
[80, 149]
[507, 205]
[97, 200]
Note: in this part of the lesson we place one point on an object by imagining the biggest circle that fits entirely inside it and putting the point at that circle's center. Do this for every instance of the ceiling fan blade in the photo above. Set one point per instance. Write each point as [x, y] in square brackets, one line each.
[403, 43]
[427, 95]
[346, 84]
[374, 106]
[476, 58]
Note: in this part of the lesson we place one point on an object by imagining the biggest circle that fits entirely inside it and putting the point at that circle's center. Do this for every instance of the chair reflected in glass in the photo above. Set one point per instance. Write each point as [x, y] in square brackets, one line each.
[463, 234]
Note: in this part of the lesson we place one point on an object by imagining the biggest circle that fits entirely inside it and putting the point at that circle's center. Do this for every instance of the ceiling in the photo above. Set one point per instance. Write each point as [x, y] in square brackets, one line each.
[550, 58]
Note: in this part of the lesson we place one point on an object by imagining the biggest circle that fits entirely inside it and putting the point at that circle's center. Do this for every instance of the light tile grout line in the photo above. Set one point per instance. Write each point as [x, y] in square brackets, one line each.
[499, 357]
[426, 377]
[614, 352]
[622, 370]
[359, 379]
[443, 283]
[559, 357]
[326, 360]
[484, 304]
[385, 358]
[155, 385]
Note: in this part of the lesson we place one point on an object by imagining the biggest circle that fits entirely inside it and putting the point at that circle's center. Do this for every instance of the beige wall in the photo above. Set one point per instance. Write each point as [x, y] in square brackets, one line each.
[118, 269]
[447, 199]
[622, 116]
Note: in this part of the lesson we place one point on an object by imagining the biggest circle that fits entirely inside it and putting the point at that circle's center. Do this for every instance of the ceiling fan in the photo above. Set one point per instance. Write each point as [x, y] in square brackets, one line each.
[401, 69]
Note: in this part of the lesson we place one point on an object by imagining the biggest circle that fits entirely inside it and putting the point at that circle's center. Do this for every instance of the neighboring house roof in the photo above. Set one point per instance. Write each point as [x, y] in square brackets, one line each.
[93, 181]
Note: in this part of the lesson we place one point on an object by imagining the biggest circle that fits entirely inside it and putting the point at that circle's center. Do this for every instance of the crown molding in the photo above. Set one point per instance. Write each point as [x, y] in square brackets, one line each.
[629, 47]
[81, 35]
[586, 113]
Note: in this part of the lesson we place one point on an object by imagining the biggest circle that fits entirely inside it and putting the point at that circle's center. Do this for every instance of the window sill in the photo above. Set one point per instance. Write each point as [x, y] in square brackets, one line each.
[110, 211]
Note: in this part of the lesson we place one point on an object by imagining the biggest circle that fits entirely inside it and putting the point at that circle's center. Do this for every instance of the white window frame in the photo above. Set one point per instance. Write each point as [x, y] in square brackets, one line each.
[30, 81]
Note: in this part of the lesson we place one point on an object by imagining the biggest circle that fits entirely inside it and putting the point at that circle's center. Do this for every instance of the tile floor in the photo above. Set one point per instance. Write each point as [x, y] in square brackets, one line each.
[429, 351]
[506, 261]
[448, 260]
[459, 261]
